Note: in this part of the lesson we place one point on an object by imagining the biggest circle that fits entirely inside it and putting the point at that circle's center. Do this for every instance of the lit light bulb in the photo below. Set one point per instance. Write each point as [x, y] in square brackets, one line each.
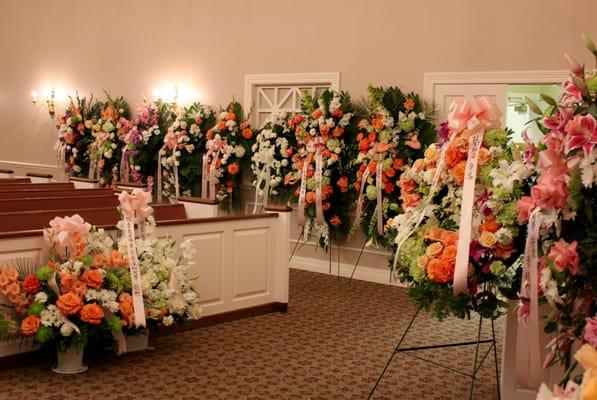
[34, 97]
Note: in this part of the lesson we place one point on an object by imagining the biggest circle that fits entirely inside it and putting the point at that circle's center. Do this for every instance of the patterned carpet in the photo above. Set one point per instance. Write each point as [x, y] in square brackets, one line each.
[332, 344]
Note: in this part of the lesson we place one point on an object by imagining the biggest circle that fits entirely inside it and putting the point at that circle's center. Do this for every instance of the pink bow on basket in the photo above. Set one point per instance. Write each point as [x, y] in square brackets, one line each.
[479, 113]
[135, 205]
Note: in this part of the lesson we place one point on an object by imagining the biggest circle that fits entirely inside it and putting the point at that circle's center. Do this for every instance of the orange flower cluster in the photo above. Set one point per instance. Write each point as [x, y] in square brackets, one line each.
[11, 287]
[456, 156]
[440, 256]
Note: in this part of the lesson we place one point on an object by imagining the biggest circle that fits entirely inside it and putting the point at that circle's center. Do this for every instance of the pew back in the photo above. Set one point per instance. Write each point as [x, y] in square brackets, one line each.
[32, 186]
[37, 193]
[57, 203]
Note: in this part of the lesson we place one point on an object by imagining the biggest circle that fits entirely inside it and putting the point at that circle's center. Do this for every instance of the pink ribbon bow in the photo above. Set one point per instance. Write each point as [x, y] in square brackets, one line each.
[135, 205]
[479, 113]
[170, 140]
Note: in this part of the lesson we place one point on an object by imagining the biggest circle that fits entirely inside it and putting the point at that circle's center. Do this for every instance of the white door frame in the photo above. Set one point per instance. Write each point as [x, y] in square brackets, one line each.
[433, 79]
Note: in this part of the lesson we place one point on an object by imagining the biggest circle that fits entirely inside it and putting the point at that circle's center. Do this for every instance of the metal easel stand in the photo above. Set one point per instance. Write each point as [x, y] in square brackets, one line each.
[356, 264]
[476, 367]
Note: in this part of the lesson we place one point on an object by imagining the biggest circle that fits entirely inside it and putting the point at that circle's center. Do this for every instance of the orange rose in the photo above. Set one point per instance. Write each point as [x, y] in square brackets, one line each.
[210, 134]
[30, 325]
[324, 130]
[69, 138]
[484, 156]
[31, 284]
[335, 220]
[450, 239]
[407, 185]
[343, 184]
[233, 169]
[453, 156]
[377, 123]
[69, 303]
[92, 313]
[390, 172]
[436, 234]
[458, 172]
[316, 114]
[230, 116]
[410, 200]
[422, 261]
[99, 260]
[67, 282]
[247, 133]
[364, 145]
[221, 126]
[449, 253]
[118, 259]
[125, 306]
[441, 271]
[310, 197]
[326, 192]
[337, 113]
[398, 163]
[93, 278]
[338, 132]
[490, 226]
[487, 239]
[389, 188]
[434, 249]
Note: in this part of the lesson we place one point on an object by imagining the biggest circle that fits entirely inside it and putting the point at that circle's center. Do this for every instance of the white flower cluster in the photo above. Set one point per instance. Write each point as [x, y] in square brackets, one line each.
[106, 298]
[51, 317]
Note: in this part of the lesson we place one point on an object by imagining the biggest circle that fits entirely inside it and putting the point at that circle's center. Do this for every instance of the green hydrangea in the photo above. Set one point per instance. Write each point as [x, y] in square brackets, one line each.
[501, 193]
[333, 144]
[484, 174]
[311, 183]
[43, 273]
[411, 250]
[371, 192]
[161, 271]
[87, 260]
[115, 324]
[43, 334]
[385, 134]
[35, 308]
[407, 125]
[497, 268]
[496, 138]
[107, 127]
[508, 214]
[387, 163]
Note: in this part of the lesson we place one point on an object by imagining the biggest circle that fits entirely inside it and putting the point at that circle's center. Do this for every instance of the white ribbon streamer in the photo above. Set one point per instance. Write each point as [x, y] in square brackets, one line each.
[528, 351]
[379, 207]
[466, 214]
[266, 170]
[133, 259]
[359, 209]
[318, 198]
[302, 193]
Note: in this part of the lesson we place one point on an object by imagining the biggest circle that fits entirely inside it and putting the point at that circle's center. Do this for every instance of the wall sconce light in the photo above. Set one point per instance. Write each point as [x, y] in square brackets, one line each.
[176, 95]
[49, 98]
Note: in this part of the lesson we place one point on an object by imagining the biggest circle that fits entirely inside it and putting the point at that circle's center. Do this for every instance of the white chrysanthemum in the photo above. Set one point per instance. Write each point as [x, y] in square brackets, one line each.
[41, 297]
[51, 316]
[504, 235]
[168, 320]
[188, 250]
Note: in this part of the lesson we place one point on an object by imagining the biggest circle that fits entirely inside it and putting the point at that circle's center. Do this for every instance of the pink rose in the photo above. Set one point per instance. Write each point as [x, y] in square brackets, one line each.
[590, 335]
[564, 256]
[551, 191]
[525, 206]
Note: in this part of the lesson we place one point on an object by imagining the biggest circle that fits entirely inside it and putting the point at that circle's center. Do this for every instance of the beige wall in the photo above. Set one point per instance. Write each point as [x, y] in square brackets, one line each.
[131, 46]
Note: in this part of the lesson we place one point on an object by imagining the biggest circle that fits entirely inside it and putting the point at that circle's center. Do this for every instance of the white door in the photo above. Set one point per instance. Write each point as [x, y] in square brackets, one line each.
[445, 94]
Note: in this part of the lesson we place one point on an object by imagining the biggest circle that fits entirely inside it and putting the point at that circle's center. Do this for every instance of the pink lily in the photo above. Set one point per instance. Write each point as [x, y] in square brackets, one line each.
[575, 67]
[581, 132]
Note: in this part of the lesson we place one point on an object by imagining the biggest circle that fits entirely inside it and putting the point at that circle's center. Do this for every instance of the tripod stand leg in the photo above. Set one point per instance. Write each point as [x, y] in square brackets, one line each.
[338, 257]
[476, 358]
[394, 353]
[330, 259]
[356, 264]
[495, 357]
[295, 246]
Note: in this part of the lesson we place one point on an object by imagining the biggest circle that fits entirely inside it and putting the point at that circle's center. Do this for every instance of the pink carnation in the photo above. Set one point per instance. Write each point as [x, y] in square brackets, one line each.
[590, 335]
[525, 206]
[564, 256]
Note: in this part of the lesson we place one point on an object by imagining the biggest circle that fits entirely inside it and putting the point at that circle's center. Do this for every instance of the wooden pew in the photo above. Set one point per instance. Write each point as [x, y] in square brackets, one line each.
[6, 173]
[30, 186]
[84, 183]
[6, 181]
[57, 203]
[39, 178]
[35, 193]
[105, 216]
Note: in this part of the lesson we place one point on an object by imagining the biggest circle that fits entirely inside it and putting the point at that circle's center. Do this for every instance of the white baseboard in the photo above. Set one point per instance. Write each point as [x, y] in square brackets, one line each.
[362, 273]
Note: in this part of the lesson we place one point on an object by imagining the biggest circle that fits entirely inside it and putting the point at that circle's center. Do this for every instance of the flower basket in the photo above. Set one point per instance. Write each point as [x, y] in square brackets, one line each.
[70, 361]
[138, 341]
